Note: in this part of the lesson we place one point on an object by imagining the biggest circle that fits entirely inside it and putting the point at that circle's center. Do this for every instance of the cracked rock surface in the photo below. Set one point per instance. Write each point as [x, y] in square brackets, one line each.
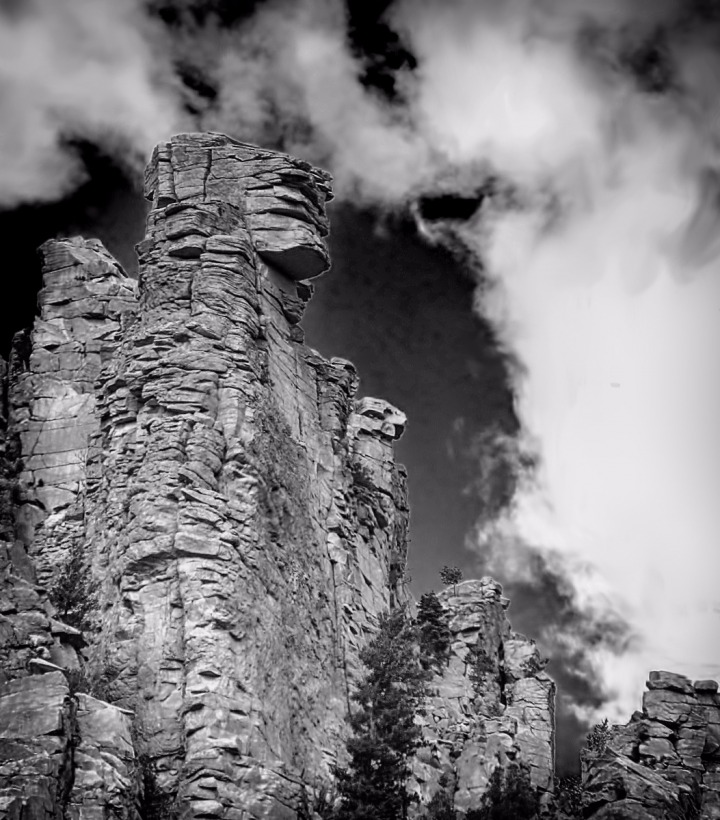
[665, 762]
[487, 714]
[201, 520]
[232, 511]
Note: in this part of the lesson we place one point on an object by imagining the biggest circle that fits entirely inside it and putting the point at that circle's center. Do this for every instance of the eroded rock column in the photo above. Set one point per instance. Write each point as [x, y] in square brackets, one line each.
[245, 518]
[48, 416]
[491, 705]
[52, 394]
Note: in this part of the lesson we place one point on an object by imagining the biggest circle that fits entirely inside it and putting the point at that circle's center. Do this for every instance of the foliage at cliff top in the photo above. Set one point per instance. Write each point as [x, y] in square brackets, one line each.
[451, 575]
[597, 739]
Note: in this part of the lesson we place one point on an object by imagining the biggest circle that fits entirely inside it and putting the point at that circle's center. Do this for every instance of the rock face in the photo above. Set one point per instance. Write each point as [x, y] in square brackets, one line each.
[62, 756]
[665, 762]
[490, 705]
[52, 393]
[235, 512]
[247, 520]
[200, 523]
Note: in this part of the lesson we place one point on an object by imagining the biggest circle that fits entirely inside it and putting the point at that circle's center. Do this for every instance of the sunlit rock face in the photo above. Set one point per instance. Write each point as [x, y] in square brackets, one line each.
[52, 393]
[201, 183]
[487, 713]
[48, 416]
[665, 762]
[235, 512]
[225, 520]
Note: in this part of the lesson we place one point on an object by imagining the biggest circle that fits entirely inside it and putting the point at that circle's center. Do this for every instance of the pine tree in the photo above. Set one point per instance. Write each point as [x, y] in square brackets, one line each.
[441, 805]
[510, 796]
[451, 575]
[433, 631]
[598, 737]
[481, 664]
[71, 593]
[374, 785]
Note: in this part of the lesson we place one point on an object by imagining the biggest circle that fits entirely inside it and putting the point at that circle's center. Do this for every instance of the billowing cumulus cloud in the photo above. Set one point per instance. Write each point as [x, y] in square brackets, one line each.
[288, 78]
[80, 69]
[604, 284]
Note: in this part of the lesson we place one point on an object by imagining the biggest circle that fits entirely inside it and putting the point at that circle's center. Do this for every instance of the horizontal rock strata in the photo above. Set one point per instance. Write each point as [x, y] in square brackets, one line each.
[228, 514]
[248, 521]
[51, 400]
[665, 762]
[200, 522]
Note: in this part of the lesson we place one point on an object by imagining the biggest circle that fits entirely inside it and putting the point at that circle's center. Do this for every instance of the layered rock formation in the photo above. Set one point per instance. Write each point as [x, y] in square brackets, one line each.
[234, 511]
[490, 705]
[200, 523]
[62, 756]
[665, 762]
[51, 395]
[247, 520]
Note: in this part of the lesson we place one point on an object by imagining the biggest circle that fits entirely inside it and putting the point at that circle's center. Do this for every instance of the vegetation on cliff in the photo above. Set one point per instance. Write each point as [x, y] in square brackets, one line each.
[510, 796]
[385, 735]
[433, 631]
[451, 576]
[374, 785]
[72, 593]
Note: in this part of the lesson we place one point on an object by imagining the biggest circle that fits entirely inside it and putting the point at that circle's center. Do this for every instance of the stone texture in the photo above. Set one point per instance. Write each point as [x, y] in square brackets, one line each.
[106, 777]
[471, 726]
[282, 203]
[51, 398]
[63, 756]
[665, 761]
[238, 514]
[248, 521]
[35, 748]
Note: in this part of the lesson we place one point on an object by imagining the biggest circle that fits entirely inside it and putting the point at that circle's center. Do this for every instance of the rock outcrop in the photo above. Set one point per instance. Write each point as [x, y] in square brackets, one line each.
[664, 764]
[63, 756]
[51, 398]
[492, 703]
[247, 520]
[231, 514]
[200, 522]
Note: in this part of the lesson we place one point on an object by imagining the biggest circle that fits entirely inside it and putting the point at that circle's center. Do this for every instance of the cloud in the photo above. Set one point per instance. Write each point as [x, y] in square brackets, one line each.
[602, 279]
[289, 79]
[573, 632]
[80, 69]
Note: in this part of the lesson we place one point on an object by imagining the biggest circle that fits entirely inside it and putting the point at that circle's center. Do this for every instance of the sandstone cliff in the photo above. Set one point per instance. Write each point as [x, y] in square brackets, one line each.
[200, 522]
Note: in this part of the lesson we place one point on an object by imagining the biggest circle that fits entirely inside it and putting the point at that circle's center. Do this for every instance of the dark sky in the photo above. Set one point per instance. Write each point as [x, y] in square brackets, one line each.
[401, 311]
[107, 205]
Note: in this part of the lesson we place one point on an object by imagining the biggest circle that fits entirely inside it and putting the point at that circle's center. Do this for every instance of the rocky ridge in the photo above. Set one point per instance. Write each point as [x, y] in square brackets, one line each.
[664, 764]
[200, 522]
[490, 705]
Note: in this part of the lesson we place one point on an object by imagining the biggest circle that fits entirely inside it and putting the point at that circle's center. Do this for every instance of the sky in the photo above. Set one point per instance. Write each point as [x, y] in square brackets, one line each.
[527, 210]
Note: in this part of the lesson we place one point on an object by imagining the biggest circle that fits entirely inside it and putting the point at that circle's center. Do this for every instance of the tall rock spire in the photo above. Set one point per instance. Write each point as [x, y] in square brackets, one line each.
[200, 523]
[247, 521]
